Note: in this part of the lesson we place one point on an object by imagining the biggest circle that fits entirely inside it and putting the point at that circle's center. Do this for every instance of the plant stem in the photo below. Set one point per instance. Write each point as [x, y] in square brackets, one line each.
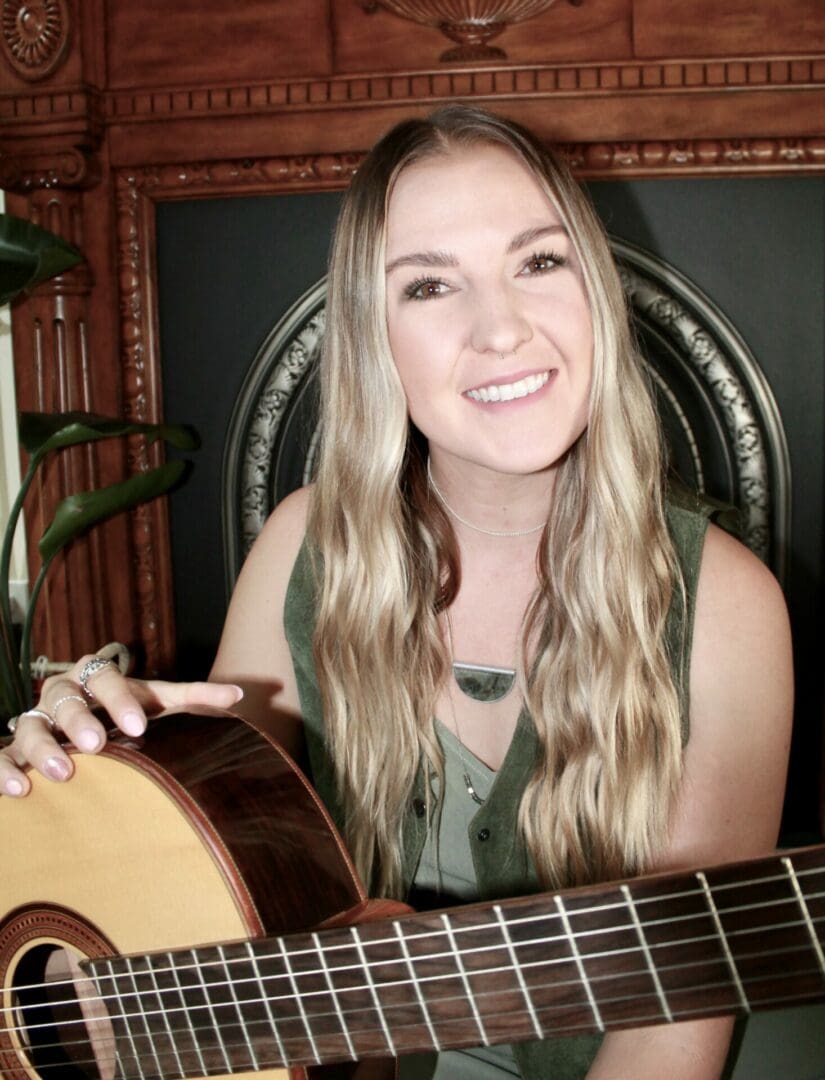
[12, 675]
[25, 641]
[11, 690]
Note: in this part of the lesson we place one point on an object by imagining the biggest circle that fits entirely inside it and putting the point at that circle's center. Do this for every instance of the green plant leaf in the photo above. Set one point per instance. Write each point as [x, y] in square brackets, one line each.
[79, 512]
[29, 255]
[42, 432]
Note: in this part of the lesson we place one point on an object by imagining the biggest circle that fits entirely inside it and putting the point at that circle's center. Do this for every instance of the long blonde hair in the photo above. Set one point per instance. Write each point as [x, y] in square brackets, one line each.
[599, 686]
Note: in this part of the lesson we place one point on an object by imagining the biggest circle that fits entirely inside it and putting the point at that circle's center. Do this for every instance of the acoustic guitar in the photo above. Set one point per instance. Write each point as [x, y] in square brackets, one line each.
[184, 908]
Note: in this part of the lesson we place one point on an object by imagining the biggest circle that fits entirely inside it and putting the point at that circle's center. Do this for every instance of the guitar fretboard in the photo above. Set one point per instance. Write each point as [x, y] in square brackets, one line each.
[655, 950]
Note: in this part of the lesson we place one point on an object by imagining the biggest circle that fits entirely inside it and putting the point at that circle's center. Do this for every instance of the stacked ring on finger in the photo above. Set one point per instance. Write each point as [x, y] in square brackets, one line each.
[90, 668]
[50, 720]
[64, 699]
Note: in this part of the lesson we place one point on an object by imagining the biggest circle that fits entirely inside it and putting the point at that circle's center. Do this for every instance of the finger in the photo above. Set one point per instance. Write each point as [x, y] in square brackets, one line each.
[73, 716]
[193, 695]
[34, 743]
[115, 694]
[13, 781]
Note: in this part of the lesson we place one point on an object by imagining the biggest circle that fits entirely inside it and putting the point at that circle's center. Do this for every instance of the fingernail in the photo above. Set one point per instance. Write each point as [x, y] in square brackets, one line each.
[56, 768]
[87, 739]
[13, 787]
[238, 693]
[132, 723]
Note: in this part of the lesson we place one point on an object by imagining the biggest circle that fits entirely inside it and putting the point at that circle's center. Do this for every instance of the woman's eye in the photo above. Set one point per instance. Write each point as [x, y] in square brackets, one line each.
[542, 262]
[425, 289]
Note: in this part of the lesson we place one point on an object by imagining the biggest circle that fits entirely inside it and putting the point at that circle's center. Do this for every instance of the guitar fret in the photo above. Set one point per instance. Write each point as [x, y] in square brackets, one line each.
[519, 974]
[334, 996]
[121, 1020]
[740, 989]
[416, 985]
[654, 974]
[173, 967]
[597, 1016]
[206, 996]
[373, 991]
[256, 1065]
[462, 972]
[800, 898]
[265, 999]
[142, 1014]
[297, 994]
[169, 1033]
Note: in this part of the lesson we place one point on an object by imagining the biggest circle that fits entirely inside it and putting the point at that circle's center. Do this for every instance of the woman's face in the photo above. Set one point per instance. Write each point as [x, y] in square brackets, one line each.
[488, 318]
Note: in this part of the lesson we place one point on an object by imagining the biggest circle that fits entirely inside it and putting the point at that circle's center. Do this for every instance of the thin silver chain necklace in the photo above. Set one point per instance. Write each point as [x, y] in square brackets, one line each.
[469, 524]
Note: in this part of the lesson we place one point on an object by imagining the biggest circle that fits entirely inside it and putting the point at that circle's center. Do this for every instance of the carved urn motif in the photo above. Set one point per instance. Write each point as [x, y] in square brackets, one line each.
[469, 23]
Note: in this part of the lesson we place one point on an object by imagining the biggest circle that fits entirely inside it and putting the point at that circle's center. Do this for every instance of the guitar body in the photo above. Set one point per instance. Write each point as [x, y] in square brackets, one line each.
[201, 831]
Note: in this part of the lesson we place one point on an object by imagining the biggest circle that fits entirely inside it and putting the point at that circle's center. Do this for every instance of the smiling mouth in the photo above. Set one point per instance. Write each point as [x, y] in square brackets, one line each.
[509, 391]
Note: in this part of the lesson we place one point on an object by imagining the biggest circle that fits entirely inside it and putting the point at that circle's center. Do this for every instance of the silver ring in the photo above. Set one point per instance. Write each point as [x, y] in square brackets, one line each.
[92, 667]
[50, 720]
[64, 699]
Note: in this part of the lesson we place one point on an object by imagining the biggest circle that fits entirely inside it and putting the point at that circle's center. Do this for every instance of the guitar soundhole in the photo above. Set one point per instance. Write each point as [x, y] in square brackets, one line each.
[52, 1027]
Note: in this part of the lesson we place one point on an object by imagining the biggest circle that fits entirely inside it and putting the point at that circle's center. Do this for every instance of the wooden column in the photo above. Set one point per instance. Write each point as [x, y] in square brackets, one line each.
[54, 167]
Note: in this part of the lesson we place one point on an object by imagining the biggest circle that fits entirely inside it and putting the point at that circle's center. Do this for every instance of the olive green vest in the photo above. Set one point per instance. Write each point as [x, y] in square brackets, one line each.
[502, 863]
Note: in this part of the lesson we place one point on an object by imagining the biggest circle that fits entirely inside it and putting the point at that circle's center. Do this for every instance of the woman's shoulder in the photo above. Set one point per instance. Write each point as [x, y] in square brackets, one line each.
[741, 662]
[288, 521]
[734, 584]
[267, 569]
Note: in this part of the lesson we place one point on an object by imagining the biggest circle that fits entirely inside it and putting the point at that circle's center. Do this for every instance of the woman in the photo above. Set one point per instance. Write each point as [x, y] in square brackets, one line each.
[490, 494]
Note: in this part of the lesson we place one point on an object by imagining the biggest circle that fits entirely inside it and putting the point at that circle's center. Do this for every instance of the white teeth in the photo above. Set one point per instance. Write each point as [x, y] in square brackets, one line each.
[508, 391]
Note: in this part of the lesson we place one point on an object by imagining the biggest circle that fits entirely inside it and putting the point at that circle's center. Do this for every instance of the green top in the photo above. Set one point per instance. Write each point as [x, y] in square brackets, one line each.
[503, 867]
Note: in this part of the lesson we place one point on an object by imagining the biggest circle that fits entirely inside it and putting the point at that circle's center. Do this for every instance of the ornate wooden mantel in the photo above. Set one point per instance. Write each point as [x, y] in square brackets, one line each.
[108, 108]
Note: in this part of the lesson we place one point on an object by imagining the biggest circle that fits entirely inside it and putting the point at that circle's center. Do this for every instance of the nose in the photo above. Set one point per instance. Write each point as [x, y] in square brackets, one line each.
[499, 324]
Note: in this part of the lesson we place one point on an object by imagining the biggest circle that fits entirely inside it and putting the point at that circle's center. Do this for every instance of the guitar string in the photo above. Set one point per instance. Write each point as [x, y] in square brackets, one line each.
[549, 916]
[258, 1062]
[145, 1015]
[335, 1057]
[184, 1009]
[394, 983]
[604, 907]
[113, 977]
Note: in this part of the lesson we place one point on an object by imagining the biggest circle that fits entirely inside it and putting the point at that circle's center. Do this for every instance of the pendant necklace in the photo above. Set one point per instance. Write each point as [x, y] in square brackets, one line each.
[507, 676]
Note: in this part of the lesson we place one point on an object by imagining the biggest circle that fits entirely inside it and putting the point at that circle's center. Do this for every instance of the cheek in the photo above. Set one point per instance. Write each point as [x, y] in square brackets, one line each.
[414, 353]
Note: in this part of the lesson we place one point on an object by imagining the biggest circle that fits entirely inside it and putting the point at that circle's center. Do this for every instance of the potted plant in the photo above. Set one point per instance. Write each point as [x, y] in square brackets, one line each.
[28, 256]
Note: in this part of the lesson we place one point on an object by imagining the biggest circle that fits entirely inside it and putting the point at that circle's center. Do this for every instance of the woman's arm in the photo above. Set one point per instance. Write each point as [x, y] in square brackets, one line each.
[253, 657]
[253, 651]
[741, 696]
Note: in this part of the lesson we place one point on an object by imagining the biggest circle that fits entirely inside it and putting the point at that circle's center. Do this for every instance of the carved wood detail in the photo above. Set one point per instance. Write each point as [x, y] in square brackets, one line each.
[70, 167]
[703, 157]
[35, 36]
[140, 364]
[58, 377]
[471, 25]
[562, 80]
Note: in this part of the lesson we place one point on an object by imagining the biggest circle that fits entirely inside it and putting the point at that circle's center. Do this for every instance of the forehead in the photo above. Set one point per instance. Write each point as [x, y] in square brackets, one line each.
[466, 188]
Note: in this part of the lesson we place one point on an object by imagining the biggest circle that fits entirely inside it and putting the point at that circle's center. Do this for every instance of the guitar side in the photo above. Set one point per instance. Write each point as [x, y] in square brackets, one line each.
[203, 830]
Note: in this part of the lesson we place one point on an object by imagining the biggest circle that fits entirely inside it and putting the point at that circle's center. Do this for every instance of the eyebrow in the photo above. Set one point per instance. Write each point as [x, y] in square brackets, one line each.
[447, 259]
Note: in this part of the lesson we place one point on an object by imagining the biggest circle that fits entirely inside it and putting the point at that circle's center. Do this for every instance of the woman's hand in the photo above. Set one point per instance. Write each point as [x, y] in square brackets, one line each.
[65, 706]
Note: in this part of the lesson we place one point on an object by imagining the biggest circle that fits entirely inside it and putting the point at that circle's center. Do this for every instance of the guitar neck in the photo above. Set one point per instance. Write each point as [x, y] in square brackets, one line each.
[733, 939]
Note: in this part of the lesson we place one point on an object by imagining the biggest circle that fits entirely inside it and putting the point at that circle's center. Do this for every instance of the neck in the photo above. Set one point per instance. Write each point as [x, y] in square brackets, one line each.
[483, 503]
